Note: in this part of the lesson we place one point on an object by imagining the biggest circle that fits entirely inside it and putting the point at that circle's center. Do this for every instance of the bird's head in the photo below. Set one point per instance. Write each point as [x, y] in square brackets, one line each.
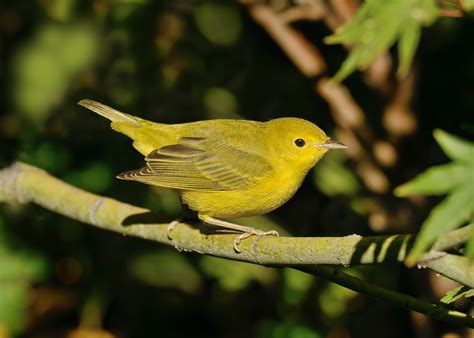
[298, 142]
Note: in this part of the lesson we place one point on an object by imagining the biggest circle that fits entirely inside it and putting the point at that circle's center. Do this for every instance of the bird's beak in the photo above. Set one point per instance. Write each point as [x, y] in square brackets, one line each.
[330, 144]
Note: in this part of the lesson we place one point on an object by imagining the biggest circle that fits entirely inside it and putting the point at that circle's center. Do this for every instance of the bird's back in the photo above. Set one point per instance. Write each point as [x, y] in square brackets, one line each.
[148, 136]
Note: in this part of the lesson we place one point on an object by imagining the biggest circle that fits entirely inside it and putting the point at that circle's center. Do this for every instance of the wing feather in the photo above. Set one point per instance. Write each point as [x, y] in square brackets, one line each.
[196, 163]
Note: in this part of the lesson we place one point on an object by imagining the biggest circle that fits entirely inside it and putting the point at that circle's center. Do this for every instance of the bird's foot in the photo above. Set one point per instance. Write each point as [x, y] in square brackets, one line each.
[252, 232]
[171, 227]
[246, 231]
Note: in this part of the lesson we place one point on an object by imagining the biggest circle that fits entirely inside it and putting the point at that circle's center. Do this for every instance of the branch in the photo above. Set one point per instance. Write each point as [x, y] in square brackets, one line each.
[24, 183]
[401, 300]
[303, 54]
[454, 238]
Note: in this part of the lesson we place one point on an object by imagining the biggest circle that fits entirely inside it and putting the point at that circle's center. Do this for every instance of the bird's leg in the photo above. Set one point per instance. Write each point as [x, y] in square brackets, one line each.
[246, 231]
[188, 214]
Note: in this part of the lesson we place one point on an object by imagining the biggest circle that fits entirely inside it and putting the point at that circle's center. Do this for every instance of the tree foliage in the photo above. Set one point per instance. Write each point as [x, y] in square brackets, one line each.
[181, 61]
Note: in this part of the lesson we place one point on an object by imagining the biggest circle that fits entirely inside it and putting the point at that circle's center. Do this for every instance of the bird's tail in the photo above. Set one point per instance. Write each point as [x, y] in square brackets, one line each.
[146, 135]
[108, 112]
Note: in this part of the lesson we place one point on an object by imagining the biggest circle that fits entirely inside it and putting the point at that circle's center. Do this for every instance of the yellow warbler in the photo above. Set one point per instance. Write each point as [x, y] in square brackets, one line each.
[223, 169]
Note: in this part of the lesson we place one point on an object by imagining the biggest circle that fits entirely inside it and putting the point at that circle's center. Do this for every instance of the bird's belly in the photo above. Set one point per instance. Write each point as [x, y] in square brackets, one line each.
[242, 203]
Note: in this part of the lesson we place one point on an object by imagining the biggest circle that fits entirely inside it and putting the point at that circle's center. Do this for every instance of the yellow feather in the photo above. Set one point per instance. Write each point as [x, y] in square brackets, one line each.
[223, 168]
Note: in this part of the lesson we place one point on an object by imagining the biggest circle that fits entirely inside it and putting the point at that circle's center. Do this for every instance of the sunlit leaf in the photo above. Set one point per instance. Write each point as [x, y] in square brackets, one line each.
[455, 147]
[409, 38]
[455, 294]
[455, 179]
[447, 215]
[350, 30]
[436, 180]
[376, 26]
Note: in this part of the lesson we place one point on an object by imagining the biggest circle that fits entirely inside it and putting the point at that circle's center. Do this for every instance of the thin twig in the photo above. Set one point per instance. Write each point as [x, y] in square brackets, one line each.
[402, 300]
[304, 54]
[454, 238]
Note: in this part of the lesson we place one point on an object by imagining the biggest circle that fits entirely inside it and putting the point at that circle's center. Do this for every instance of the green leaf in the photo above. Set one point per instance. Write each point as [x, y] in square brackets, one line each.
[377, 25]
[409, 39]
[455, 294]
[436, 180]
[457, 179]
[349, 31]
[456, 148]
[377, 37]
[447, 215]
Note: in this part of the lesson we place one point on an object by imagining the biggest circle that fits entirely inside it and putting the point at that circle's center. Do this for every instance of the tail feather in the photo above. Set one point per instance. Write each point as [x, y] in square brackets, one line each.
[108, 112]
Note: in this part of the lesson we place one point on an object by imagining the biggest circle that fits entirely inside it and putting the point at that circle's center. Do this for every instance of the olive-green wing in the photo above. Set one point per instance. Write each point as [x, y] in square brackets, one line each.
[201, 164]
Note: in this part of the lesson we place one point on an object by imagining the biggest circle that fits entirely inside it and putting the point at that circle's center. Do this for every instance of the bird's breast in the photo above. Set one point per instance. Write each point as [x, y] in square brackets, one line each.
[260, 198]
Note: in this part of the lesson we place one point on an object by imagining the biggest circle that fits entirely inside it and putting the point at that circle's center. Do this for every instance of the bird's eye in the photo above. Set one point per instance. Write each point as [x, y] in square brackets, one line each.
[300, 142]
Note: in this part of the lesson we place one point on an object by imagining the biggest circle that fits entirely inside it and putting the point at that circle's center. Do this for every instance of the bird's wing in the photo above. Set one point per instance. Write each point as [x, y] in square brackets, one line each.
[196, 163]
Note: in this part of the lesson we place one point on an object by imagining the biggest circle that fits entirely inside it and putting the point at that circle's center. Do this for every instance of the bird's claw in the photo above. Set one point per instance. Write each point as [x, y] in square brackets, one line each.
[171, 227]
[254, 232]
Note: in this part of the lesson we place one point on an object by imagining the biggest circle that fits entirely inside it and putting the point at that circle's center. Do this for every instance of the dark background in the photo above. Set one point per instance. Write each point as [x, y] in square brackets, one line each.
[181, 61]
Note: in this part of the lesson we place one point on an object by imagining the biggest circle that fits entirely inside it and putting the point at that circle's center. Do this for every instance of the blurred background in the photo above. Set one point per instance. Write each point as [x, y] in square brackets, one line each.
[181, 61]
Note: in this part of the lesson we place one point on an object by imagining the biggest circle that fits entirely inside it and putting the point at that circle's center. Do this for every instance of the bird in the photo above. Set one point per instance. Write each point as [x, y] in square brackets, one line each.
[223, 169]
